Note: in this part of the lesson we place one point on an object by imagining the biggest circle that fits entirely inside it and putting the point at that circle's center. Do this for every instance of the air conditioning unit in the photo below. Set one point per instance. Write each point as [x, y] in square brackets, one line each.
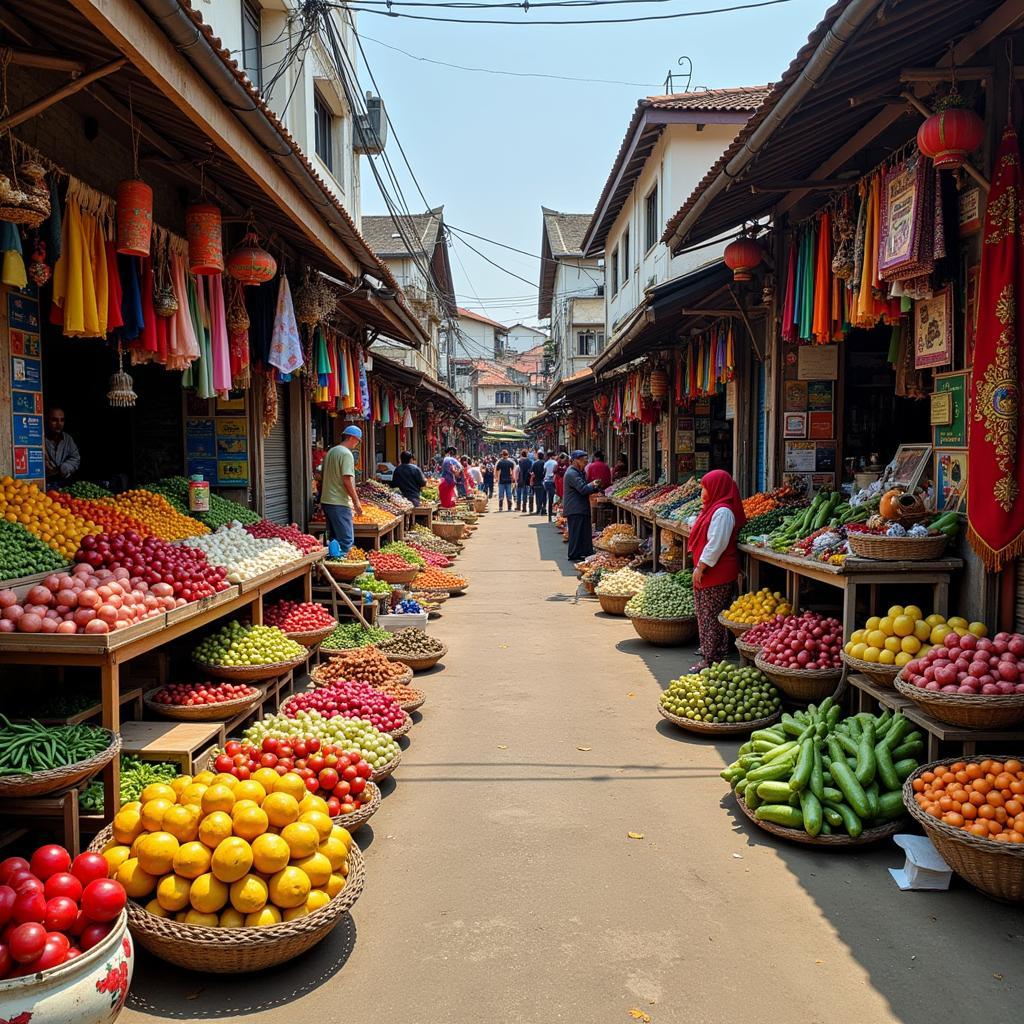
[371, 128]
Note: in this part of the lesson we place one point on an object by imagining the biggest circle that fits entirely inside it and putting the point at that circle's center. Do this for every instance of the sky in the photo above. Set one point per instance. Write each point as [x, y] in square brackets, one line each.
[492, 149]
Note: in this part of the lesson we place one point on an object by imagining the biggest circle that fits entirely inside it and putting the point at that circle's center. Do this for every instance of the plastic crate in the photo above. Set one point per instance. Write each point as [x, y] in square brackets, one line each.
[393, 623]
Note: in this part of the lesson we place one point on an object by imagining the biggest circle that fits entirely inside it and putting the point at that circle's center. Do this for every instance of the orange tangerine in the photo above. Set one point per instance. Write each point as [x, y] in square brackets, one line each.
[137, 883]
[225, 779]
[197, 917]
[292, 784]
[249, 821]
[156, 852]
[266, 777]
[231, 918]
[249, 789]
[192, 860]
[289, 887]
[156, 791]
[182, 821]
[172, 892]
[215, 828]
[270, 853]
[231, 859]
[317, 868]
[217, 798]
[320, 821]
[249, 894]
[153, 813]
[208, 894]
[302, 838]
[282, 808]
[262, 918]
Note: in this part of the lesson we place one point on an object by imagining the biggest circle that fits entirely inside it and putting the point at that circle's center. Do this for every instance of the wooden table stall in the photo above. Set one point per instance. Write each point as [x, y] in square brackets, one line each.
[376, 534]
[423, 514]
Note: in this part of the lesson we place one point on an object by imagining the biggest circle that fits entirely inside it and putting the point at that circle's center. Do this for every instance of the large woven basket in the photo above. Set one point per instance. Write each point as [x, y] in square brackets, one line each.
[41, 783]
[418, 664]
[397, 575]
[480, 503]
[749, 651]
[250, 673]
[388, 769]
[996, 869]
[969, 711]
[897, 549]
[718, 728]
[883, 675]
[311, 637]
[239, 950]
[446, 592]
[664, 632]
[409, 706]
[834, 842]
[317, 679]
[801, 684]
[403, 728]
[450, 532]
[736, 628]
[614, 604]
[346, 570]
[202, 712]
[363, 814]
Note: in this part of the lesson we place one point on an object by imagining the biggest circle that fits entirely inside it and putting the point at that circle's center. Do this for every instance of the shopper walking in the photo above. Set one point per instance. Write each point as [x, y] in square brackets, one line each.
[451, 471]
[598, 469]
[505, 469]
[476, 475]
[713, 543]
[537, 479]
[338, 496]
[577, 508]
[550, 465]
[524, 492]
[488, 470]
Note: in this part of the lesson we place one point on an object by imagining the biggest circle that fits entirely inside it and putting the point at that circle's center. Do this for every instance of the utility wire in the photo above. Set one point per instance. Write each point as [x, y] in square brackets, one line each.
[487, 259]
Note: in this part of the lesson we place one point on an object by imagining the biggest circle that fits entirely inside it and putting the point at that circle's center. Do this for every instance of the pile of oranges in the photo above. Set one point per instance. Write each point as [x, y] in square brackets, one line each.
[372, 516]
[159, 517]
[984, 798]
[221, 852]
[436, 579]
[53, 523]
[110, 518]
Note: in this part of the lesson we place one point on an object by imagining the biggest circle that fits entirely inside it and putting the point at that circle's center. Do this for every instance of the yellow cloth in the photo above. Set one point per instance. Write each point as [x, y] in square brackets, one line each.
[13, 272]
[74, 286]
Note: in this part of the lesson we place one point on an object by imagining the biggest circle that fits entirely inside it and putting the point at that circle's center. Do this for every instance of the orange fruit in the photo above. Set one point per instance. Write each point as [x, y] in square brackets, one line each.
[137, 883]
[182, 822]
[156, 853]
[289, 887]
[249, 789]
[215, 828]
[302, 838]
[172, 892]
[320, 821]
[292, 784]
[208, 894]
[249, 821]
[153, 813]
[192, 860]
[217, 798]
[249, 894]
[282, 808]
[270, 853]
[231, 859]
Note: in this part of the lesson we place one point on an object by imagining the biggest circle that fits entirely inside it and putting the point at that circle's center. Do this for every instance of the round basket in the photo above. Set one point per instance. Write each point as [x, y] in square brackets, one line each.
[624, 548]
[613, 604]
[409, 706]
[718, 728]
[883, 675]
[446, 591]
[798, 835]
[403, 729]
[996, 869]
[397, 575]
[480, 504]
[311, 637]
[749, 651]
[346, 570]
[970, 711]
[250, 673]
[418, 664]
[736, 628]
[801, 684]
[387, 770]
[664, 632]
[238, 950]
[450, 532]
[671, 564]
[362, 815]
[203, 712]
[317, 680]
[41, 783]
[897, 549]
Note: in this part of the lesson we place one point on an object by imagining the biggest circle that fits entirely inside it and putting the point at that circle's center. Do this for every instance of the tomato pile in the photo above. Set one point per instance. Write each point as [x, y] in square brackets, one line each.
[103, 513]
[805, 641]
[191, 695]
[382, 562]
[328, 770]
[434, 579]
[292, 534]
[985, 798]
[350, 700]
[53, 908]
[293, 617]
[970, 665]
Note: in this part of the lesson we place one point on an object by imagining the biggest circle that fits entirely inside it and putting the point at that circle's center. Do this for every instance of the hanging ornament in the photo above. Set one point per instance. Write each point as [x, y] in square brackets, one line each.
[250, 263]
[842, 242]
[741, 256]
[951, 134]
[205, 242]
[659, 383]
[38, 270]
[134, 217]
[121, 394]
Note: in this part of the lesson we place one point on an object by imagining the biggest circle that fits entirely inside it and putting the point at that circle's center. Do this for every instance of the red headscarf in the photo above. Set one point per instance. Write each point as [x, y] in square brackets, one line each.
[722, 493]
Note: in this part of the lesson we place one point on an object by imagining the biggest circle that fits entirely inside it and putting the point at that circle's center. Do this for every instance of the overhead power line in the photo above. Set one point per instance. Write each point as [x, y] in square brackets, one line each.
[511, 273]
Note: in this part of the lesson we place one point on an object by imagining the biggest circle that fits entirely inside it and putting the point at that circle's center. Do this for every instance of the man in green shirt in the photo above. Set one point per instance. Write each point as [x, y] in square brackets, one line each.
[338, 495]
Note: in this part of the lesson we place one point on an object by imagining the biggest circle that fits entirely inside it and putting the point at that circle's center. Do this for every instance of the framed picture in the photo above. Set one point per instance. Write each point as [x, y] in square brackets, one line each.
[794, 424]
[933, 330]
[971, 313]
[969, 212]
[907, 466]
[819, 396]
[794, 393]
[818, 362]
[953, 432]
[940, 412]
[820, 425]
[950, 479]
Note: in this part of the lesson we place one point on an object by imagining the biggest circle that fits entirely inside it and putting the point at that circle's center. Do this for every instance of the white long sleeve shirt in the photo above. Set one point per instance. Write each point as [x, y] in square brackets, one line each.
[723, 522]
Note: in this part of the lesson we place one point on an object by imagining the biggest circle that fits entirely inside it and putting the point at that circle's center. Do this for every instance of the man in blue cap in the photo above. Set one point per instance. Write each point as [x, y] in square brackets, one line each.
[338, 497]
[576, 507]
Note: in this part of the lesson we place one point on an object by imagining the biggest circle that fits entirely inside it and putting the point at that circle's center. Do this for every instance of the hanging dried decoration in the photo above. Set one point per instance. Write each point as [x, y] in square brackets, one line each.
[121, 394]
[269, 404]
[238, 337]
[38, 269]
[165, 302]
[250, 263]
[842, 240]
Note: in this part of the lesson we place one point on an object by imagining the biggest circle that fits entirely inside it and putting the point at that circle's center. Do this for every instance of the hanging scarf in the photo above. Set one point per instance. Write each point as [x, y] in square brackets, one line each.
[219, 336]
[821, 315]
[995, 505]
[13, 271]
[789, 297]
[285, 341]
[364, 387]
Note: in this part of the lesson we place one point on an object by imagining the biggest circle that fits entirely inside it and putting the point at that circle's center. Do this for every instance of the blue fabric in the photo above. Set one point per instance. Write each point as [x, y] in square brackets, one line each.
[576, 493]
[504, 491]
[339, 523]
[549, 489]
[524, 496]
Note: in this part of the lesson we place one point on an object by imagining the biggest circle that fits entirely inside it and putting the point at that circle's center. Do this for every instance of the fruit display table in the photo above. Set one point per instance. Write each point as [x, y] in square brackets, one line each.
[377, 534]
[423, 514]
[673, 526]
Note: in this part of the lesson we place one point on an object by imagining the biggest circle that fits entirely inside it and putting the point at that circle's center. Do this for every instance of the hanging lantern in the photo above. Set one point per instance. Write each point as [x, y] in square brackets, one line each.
[250, 263]
[741, 256]
[134, 217]
[659, 384]
[121, 394]
[205, 245]
[950, 135]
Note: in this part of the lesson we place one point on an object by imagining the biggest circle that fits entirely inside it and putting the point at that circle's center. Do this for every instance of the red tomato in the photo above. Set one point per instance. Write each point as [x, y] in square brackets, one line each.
[6, 960]
[349, 773]
[269, 745]
[268, 760]
[9, 866]
[7, 896]
[54, 952]
[61, 914]
[102, 900]
[347, 808]
[63, 884]
[329, 778]
[29, 906]
[280, 769]
[313, 745]
[358, 786]
[25, 881]
[312, 785]
[301, 750]
[95, 932]
[232, 747]
[49, 860]
[316, 763]
[342, 789]
[72, 953]
[87, 867]
[223, 763]
[81, 922]
[27, 942]
[333, 806]
[242, 772]
[364, 770]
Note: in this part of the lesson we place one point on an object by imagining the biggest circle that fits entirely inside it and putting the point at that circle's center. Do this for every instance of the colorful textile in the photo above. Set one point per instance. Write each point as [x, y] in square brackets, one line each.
[709, 603]
[285, 342]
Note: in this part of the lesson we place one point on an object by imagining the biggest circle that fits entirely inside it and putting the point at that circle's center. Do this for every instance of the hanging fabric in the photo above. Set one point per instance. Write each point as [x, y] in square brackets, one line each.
[285, 342]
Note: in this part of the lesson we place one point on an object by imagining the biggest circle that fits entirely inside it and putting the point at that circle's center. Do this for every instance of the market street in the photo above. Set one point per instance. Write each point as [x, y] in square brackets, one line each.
[502, 884]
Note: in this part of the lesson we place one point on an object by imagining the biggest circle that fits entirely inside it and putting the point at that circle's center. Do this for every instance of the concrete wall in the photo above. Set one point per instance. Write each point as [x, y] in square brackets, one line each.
[574, 279]
[480, 343]
[522, 339]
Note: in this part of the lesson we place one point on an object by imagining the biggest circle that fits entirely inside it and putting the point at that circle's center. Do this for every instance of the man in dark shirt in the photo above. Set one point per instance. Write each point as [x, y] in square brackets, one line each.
[540, 497]
[503, 469]
[409, 478]
[576, 506]
[524, 491]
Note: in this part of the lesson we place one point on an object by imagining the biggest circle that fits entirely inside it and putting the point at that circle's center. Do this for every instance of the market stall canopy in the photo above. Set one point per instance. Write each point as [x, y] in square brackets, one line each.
[839, 109]
[406, 377]
[202, 122]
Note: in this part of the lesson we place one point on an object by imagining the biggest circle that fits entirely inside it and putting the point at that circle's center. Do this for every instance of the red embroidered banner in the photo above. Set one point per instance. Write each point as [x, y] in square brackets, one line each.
[995, 503]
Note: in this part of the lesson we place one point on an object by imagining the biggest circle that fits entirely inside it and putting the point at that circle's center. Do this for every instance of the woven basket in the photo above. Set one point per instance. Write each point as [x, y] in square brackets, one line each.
[450, 532]
[403, 728]
[996, 869]
[388, 769]
[736, 628]
[840, 842]
[311, 637]
[970, 711]
[41, 783]
[397, 575]
[719, 728]
[239, 950]
[250, 673]
[749, 651]
[444, 592]
[664, 632]
[624, 547]
[801, 684]
[418, 664]
[360, 817]
[316, 680]
[480, 503]
[409, 706]
[346, 570]
[897, 549]
[883, 675]
[613, 604]
[671, 564]
[203, 712]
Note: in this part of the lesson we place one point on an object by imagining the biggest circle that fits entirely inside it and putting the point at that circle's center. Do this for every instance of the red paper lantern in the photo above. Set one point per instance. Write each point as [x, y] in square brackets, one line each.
[948, 136]
[134, 217]
[250, 263]
[205, 245]
[741, 256]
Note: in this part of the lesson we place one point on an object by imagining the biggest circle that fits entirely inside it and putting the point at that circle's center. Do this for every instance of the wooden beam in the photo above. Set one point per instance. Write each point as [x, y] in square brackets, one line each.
[930, 75]
[815, 186]
[47, 61]
[76, 85]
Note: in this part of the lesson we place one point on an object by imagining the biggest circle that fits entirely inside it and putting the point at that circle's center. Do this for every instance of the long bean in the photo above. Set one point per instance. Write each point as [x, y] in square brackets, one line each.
[27, 747]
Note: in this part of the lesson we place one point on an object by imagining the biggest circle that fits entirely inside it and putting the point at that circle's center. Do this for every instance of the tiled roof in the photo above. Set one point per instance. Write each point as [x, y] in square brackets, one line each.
[565, 231]
[470, 315]
[382, 232]
[743, 99]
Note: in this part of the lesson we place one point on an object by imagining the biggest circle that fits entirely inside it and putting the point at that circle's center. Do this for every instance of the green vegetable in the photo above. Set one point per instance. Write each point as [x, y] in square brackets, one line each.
[28, 747]
[780, 814]
[804, 766]
[850, 821]
[811, 812]
[847, 781]
[890, 807]
[774, 791]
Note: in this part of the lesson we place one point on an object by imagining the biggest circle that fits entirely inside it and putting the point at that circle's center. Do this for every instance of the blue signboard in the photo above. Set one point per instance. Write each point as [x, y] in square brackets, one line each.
[36, 467]
[26, 374]
[28, 430]
[23, 310]
[24, 402]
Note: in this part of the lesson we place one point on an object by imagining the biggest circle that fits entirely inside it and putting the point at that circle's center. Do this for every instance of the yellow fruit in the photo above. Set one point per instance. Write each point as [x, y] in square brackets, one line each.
[872, 623]
[249, 894]
[197, 917]
[903, 625]
[172, 892]
[231, 859]
[294, 912]
[892, 643]
[136, 843]
[137, 883]
[262, 918]
[960, 630]
[938, 634]
[302, 838]
[885, 625]
[857, 651]
[978, 629]
[205, 778]
[289, 887]
[192, 860]
[313, 803]
[910, 645]
[335, 851]
[872, 654]
[218, 798]
[154, 908]
[270, 853]
[317, 898]
[913, 611]
[225, 779]
[158, 791]
[132, 805]
[957, 621]
[127, 825]
[903, 658]
[249, 821]
[153, 813]
[282, 808]
[193, 794]
[239, 804]
[180, 783]
[292, 784]
[317, 867]
[886, 657]
[935, 620]
[182, 822]
[319, 820]
[231, 918]
[922, 630]
[896, 609]
[335, 884]
[208, 894]
[343, 834]
[925, 648]
[249, 789]
[116, 856]
[876, 638]
[156, 852]
[181, 915]
[858, 636]
[215, 828]
[266, 777]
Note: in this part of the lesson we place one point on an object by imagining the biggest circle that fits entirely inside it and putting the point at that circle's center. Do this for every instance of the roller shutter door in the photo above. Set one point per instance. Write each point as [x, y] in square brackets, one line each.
[277, 466]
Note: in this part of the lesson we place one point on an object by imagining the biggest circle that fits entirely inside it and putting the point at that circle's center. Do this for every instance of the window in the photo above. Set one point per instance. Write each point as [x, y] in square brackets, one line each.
[651, 222]
[589, 343]
[252, 42]
[502, 397]
[463, 371]
[615, 271]
[624, 245]
[323, 120]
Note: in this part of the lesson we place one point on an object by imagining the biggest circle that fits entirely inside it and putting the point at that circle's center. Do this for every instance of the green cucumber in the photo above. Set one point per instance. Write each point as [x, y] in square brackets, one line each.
[774, 791]
[846, 781]
[804, 766]
[810, 809]
[780, 814]
[886, 770]
[890, 807]
[905, 768]
[850, 820]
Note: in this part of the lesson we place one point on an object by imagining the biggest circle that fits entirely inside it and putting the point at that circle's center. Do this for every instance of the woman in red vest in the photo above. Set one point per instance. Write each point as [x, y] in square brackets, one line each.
[716, 560]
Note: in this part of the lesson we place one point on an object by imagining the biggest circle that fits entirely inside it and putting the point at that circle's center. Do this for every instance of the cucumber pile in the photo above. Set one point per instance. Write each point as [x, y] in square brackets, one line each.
[825, 775]
[827, 509]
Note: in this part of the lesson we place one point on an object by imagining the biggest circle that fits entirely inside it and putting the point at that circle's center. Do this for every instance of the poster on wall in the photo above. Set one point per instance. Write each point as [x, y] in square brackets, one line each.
[801, 457]
[950, 479]
[26, 368]
[794, 396]
[825, 457]
[952, 433]
[819, 395]
[817, 362]
[820, 426]
[685, 464]
[794, 424]
[933, 330]
[684, 440]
